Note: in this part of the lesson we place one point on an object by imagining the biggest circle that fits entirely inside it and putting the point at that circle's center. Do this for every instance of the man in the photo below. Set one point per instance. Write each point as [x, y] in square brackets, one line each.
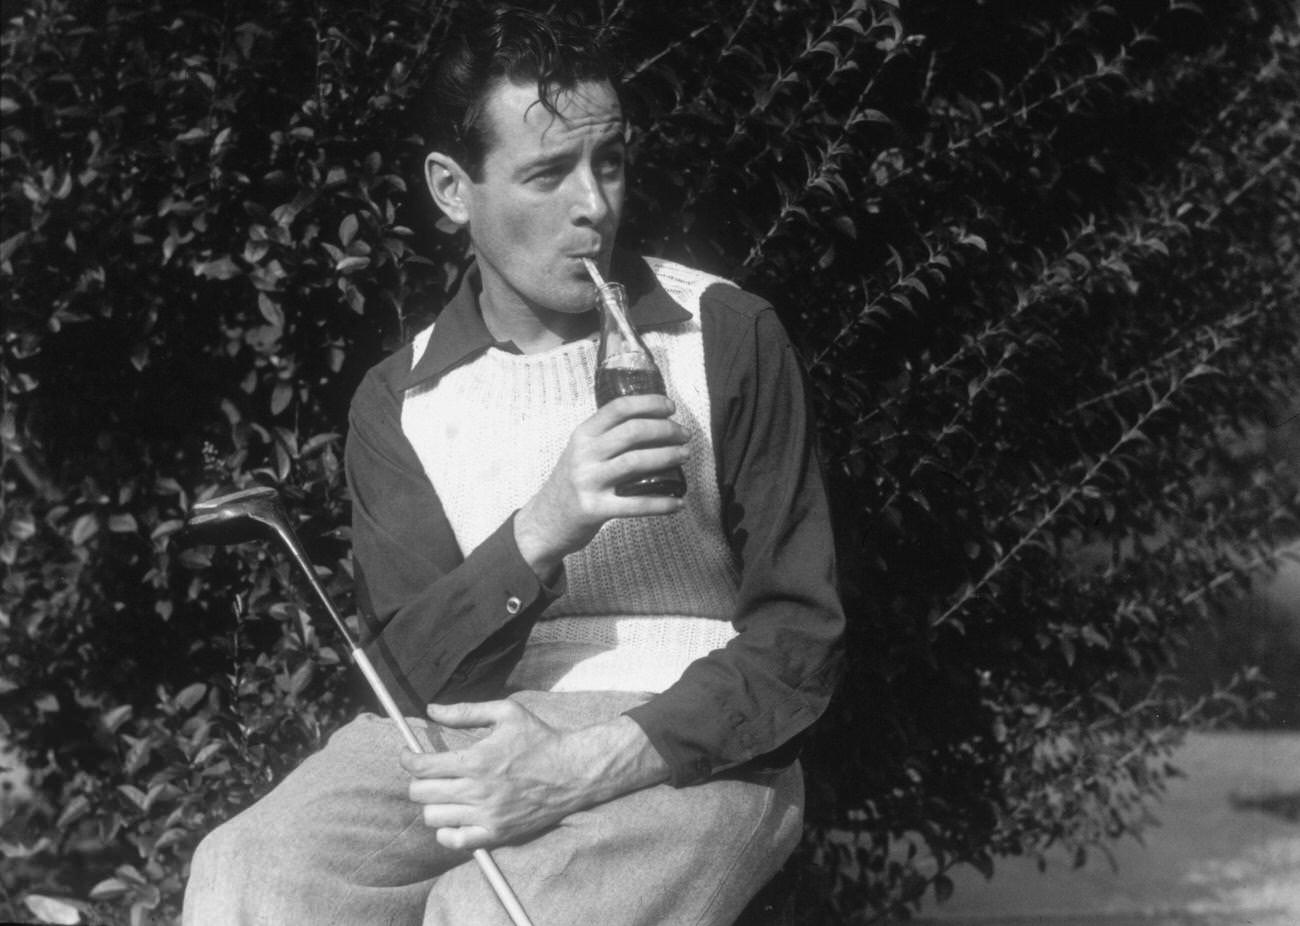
[615, 683]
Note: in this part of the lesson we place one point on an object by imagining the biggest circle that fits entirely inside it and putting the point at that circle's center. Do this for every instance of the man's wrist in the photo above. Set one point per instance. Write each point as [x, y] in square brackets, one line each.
[614, 758]
[530, 539]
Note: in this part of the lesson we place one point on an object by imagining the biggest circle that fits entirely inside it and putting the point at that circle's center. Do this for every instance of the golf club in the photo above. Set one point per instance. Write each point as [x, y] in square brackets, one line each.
[250, 514]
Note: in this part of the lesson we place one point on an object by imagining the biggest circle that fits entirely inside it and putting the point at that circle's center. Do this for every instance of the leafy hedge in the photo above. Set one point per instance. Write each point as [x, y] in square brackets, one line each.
[1041, 260]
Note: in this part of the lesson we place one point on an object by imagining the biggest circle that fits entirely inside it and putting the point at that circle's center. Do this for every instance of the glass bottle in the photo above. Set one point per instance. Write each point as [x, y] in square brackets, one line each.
[624, 366]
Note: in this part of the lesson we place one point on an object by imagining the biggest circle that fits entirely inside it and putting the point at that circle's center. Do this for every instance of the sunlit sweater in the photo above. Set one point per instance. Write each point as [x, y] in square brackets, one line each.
[648, 595]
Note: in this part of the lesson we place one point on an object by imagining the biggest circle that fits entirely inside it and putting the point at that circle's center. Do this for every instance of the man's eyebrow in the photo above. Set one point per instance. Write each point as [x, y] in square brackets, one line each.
[615, 136]
[554, 159]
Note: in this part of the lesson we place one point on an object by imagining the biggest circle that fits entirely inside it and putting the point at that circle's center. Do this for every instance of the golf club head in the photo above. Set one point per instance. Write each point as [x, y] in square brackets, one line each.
[236, 517]
[256, 514]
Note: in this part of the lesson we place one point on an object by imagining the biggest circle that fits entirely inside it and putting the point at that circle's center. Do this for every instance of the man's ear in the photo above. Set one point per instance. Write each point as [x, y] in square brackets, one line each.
[448, 185]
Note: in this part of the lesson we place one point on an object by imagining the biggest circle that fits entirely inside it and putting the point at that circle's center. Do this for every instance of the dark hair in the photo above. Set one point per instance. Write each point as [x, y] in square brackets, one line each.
[504, 43]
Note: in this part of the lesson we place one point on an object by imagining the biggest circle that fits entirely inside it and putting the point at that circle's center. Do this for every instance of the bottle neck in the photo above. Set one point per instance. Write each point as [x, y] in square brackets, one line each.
[620, 341]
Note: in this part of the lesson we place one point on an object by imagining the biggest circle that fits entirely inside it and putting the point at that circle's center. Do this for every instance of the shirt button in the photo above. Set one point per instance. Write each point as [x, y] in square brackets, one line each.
[513, 605]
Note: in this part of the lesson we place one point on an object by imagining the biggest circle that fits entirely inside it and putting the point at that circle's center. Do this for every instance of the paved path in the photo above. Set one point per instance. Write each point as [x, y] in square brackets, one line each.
[1216, 860]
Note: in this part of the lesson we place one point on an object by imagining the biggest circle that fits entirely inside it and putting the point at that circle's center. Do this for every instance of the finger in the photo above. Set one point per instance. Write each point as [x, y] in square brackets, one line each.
[645, 506]
[443, 791]
[632, 406]
[640, 432]
[451, 816]
[471, 714]
[635, 463]
[464, 838]
[453, 764]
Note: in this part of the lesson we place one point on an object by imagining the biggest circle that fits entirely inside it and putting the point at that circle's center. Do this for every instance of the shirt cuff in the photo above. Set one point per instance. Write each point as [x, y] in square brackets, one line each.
[663, 723]
[457, 637]
[517, 588]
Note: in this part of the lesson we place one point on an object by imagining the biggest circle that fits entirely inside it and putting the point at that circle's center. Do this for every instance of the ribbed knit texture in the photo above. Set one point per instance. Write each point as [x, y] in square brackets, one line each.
[648, 595]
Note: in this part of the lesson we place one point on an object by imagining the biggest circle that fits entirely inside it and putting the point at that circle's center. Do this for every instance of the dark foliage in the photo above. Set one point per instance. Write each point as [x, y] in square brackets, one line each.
[1041, 260]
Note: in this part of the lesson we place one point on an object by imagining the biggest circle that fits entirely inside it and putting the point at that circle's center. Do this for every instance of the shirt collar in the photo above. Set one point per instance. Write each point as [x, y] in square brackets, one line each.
[460, 333]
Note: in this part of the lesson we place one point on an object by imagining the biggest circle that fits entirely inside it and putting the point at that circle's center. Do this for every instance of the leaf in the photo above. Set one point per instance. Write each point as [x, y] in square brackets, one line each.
[52, 910]
[166, 528]
[270, 310]
[190, 696]
[355, 299]
[208, 751]
[123, 524]
[131, 874]
[87, 526]
[140, 915]
[174, 835]
[352, 264]
[132, 794]
[114, 718]
[301, 677]
[874, 115]
[15, 850]
[317, 442]
[286, 213]
[221, 269]
[283, 463]
[281, 396]
[10, 245]
[141, 748]
[348, 229]
[108, 889]
[162, 789]
[75, 809]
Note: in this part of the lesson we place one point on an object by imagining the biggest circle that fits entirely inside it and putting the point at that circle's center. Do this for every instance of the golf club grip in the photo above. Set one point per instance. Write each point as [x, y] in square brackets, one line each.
[495, 878]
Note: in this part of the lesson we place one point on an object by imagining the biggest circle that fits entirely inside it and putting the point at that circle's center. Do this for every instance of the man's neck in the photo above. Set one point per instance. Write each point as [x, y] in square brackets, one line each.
[530, 329]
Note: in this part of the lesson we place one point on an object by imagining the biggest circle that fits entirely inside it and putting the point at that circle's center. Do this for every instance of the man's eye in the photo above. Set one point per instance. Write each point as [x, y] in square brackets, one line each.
[548, 177]
[612, 163]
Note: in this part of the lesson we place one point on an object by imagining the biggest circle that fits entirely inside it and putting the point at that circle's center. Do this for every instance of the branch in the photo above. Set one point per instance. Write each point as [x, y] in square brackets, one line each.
[1132, 434]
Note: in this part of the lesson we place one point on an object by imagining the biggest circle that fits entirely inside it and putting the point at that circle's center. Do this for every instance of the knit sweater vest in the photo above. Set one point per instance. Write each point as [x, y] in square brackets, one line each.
[647, 596]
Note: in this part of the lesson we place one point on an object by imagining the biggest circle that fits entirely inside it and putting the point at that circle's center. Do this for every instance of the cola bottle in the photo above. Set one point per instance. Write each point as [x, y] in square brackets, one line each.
[624, 366]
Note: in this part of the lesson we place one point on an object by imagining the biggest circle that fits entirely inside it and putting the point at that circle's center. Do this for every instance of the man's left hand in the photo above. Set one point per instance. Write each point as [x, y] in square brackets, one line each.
[510, 784]
[524, 775]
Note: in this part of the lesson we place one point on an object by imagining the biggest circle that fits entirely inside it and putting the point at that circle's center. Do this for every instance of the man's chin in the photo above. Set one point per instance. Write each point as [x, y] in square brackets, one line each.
[576, 299]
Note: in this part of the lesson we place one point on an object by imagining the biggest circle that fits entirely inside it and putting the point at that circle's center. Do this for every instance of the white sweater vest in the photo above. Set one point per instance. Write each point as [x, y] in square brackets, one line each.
[648, 595]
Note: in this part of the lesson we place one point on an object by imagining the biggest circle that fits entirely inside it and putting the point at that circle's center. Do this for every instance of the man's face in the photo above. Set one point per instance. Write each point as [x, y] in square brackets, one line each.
[551, 194]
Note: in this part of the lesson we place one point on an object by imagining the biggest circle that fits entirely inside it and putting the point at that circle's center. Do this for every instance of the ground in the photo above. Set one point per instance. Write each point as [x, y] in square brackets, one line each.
[1227, 853]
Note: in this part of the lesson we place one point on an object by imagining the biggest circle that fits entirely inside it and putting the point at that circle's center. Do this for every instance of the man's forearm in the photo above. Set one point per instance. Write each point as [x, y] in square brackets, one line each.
[616, 758]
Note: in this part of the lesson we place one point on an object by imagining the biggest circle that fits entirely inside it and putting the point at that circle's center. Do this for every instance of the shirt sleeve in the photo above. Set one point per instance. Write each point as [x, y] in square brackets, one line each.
[437, 625]
[776, 676]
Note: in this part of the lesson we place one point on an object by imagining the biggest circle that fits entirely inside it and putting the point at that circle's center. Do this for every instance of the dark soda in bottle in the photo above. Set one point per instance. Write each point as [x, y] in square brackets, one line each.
[624, 366]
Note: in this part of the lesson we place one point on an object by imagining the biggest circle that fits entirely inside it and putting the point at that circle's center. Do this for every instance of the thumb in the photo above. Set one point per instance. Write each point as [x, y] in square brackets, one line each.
[470, 714]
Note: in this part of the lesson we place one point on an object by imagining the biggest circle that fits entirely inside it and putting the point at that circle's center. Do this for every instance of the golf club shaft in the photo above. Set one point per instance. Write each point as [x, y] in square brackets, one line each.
[486, 863]
[271, 514]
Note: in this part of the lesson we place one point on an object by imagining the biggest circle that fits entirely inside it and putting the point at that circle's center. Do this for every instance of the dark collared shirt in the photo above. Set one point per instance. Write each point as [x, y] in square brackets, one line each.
[440, 626]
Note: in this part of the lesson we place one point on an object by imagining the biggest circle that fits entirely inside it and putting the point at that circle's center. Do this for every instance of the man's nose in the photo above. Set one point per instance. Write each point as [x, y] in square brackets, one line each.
[591, 203]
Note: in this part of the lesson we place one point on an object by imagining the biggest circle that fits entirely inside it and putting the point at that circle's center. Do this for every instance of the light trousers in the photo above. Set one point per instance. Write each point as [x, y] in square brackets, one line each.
[339, 841]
